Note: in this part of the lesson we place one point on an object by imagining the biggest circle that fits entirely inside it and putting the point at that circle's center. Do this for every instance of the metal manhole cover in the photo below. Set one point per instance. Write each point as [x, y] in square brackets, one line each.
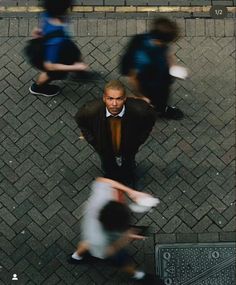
[196, 264]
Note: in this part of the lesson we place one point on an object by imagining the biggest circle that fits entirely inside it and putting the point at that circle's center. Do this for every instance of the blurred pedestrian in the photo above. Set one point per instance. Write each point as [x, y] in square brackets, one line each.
[116, 127]
[106, 229]
[61, 55]
[147, 61]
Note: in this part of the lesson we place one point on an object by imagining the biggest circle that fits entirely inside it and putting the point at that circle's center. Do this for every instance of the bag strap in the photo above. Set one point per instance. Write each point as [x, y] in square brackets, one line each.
[54, 34]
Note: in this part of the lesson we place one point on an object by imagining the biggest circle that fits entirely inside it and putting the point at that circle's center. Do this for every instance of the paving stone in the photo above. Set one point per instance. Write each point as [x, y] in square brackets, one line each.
[48, 180]
[4, 27]
[7, 216]
[228, 236]
[187, 238]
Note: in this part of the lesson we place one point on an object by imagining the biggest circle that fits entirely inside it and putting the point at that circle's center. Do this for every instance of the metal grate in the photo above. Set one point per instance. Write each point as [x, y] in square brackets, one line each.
[196, 264]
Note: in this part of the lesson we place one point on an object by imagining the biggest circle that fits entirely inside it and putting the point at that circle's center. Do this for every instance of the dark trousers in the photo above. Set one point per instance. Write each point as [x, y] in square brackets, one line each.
[159, 94]
[159, 97]
[123, 173]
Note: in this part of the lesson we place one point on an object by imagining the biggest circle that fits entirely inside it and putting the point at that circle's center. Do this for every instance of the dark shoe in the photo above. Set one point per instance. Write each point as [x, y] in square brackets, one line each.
[172, 113]
[45, 90]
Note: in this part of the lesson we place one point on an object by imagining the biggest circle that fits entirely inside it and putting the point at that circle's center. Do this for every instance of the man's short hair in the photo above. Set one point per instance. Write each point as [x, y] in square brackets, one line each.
[115, 85]
[115, 217]
[57, 8]
[165, 30]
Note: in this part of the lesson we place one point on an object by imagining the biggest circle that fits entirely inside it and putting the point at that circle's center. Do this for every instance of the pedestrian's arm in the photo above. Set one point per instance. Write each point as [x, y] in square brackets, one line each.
[133, 81]
[64, 67]
[133, 194]
[171, 58]
[125, 239]
[36, 33]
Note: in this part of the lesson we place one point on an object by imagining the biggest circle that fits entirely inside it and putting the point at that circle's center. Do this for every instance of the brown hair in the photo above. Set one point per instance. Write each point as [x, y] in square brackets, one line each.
[165, 30]
[115, 85]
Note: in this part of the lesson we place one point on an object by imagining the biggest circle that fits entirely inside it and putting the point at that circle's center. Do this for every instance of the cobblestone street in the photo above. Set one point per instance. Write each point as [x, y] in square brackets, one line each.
[46, 168]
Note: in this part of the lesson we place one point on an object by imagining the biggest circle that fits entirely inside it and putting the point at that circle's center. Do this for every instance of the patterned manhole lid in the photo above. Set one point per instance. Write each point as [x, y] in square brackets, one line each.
[196, 264]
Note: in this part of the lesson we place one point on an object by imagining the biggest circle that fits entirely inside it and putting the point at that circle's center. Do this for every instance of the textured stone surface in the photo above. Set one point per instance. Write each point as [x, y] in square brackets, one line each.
[46, 169]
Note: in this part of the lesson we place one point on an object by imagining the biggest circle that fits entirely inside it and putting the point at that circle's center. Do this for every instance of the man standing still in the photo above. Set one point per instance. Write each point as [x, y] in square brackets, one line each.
[116, 127]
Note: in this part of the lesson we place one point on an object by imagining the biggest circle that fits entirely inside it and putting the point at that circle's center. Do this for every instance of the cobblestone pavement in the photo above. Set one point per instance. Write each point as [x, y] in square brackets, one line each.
[45, 168]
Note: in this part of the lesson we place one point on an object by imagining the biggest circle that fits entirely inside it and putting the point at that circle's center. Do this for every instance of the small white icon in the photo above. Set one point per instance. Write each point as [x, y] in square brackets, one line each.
[14, 277]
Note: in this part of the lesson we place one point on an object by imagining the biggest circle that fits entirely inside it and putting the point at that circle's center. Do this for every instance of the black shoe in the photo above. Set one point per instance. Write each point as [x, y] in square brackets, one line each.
[172, 113]
[45, 90]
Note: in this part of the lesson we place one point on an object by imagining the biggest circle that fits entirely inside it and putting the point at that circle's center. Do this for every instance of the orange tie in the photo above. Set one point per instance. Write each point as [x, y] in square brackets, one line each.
[115, 125]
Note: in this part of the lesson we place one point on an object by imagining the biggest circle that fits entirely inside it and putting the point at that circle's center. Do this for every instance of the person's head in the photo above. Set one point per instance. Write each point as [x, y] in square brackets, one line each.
[164, 30]
[114, 96]
[57, 8]
[115, 217]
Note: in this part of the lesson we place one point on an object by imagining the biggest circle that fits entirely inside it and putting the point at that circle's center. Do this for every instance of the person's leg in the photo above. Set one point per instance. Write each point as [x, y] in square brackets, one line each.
[82, 249]
[124, 262]
[109, 167]
[42, 86]
[160, 98]
[43, 79]
[127, 171]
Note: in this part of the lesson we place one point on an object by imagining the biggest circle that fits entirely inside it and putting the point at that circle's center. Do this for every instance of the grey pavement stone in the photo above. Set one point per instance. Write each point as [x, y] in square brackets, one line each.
[43, 190]
[208, 237]
[228, 236]
[187, 238]
[165, 238]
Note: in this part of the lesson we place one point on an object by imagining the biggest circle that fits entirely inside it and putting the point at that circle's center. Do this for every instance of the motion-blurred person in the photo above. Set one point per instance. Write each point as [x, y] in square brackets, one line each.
[116, 127]
[106, 229]
[147, 61]
[61, 55]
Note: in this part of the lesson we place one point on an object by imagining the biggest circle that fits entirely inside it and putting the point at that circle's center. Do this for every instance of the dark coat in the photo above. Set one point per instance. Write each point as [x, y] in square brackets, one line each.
[137, 123]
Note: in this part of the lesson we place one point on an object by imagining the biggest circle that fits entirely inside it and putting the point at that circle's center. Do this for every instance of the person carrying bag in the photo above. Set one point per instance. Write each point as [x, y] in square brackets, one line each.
[51, 50]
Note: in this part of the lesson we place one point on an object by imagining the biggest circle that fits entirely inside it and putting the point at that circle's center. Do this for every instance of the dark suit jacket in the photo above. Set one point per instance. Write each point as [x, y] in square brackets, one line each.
[137, 123]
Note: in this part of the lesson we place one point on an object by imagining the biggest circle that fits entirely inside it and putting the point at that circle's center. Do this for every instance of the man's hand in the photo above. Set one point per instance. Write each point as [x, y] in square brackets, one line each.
[37, 33]
[133, 235]
[125, 239]
[136, 195]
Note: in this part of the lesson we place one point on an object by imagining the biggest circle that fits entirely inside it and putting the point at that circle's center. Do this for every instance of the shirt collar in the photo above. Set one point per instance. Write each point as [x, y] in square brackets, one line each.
[121, 114]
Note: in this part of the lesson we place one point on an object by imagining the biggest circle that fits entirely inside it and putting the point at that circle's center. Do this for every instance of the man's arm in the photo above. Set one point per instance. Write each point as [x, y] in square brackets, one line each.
[84, 120]
[146, 122]
[125, 239]
[133, 194]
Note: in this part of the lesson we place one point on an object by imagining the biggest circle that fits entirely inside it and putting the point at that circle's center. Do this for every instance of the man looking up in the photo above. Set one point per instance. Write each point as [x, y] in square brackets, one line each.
[116, 127]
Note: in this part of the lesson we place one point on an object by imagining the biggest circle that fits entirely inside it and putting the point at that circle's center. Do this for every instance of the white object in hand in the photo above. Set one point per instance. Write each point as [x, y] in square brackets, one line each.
[148, 201]
[144, 204]
[178, 71]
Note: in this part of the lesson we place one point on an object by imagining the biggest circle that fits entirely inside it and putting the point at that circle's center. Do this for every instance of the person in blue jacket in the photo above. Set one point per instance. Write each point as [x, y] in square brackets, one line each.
[61, 55]
[146, 63]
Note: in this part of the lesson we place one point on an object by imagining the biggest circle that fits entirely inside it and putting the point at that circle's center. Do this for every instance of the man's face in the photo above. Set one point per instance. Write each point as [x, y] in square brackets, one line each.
[114, 100]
